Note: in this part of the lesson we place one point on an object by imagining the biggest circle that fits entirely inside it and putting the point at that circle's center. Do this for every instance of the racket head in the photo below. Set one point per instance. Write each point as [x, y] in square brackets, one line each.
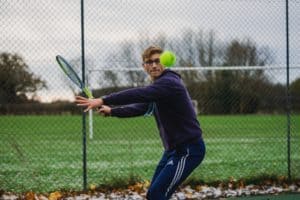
[69, 71]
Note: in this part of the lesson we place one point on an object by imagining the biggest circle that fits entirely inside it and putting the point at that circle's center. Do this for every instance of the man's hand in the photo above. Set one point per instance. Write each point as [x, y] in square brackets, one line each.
[88, 103]
[105, 110]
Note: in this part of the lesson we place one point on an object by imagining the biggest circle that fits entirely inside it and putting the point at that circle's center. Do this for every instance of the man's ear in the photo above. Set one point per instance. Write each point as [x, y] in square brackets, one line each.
[144, 66]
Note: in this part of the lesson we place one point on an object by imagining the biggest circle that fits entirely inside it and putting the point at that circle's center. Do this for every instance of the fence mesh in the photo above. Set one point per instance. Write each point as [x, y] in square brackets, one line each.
[231, 56]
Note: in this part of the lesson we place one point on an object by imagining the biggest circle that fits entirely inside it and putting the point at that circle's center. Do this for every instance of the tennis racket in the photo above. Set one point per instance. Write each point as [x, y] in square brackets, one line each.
[69, 71]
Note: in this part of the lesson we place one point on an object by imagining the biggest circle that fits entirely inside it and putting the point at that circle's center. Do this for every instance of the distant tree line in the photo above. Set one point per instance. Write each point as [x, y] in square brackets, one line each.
[37, 108]
[216, 91]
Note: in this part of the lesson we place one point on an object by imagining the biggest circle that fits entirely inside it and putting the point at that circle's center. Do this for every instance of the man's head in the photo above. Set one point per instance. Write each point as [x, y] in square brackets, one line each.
[151, 62]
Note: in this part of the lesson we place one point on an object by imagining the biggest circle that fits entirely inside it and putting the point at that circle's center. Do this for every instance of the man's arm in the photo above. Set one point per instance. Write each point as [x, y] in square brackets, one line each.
[152, 93]
[164, 88]
[132, 110]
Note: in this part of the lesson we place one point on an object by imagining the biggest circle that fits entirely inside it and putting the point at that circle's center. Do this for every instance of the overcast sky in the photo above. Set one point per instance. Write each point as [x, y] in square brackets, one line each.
[40, 29]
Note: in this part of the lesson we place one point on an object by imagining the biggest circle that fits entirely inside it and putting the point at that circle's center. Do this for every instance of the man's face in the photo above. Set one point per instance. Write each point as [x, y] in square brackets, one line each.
[153, 67]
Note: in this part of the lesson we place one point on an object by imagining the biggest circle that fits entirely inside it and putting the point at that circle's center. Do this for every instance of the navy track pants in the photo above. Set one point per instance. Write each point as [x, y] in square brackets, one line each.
[174, 167]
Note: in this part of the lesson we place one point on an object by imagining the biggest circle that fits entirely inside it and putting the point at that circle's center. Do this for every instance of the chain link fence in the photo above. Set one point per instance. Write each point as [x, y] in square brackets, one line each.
[231, 55]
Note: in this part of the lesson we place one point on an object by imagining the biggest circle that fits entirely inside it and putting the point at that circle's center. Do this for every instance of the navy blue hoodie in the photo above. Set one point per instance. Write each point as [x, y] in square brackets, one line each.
[172, 107]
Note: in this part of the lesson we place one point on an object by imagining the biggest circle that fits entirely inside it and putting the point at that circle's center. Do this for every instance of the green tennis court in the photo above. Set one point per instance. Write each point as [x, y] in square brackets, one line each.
[43, 157]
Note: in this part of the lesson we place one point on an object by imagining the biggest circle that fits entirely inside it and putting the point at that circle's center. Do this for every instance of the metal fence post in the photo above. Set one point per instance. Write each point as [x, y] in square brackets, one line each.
[288, 93]
[83, 115]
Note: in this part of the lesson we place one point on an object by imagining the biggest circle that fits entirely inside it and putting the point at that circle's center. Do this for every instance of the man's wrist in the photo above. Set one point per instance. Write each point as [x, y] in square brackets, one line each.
[100, 101]
[103, 100]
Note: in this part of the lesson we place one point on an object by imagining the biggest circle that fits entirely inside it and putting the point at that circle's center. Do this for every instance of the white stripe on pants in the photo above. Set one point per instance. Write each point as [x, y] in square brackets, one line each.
[179, 171]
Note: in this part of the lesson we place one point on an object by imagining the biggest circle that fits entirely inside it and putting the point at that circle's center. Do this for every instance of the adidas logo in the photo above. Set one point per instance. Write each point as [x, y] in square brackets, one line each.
[170, 162]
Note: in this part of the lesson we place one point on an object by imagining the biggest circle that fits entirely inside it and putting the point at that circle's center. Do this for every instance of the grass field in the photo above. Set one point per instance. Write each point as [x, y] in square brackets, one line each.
[44, 153]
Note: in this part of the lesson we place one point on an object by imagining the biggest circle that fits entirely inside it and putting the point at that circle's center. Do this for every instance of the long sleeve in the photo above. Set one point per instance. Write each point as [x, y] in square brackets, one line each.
[160, 89]
[131, 110]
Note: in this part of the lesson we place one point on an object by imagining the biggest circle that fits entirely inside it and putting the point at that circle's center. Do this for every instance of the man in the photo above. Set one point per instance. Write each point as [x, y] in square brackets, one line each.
[168, 100]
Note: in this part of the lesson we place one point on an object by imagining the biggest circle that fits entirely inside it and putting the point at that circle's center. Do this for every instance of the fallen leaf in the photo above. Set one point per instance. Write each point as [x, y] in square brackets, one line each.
[55, 196]
[30, 196]
[92, 187]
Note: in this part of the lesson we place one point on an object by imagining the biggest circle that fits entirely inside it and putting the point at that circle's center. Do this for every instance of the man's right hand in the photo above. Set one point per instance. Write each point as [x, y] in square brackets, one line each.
[88, 103]
[105, 110]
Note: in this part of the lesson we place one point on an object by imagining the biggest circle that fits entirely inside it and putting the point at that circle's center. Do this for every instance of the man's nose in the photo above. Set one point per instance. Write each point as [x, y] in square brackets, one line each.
[154, 64]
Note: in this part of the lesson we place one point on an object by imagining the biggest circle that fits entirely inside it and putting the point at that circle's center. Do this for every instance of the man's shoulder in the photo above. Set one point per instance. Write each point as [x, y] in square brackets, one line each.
[170, 79]
[169, 72]
[169, 75]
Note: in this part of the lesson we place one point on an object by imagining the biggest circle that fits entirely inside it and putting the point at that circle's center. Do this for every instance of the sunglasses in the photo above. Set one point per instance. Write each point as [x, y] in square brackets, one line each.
[151, 62]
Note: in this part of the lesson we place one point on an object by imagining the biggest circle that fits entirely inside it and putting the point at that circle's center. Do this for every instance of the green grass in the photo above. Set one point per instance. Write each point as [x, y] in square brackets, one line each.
[44, 153]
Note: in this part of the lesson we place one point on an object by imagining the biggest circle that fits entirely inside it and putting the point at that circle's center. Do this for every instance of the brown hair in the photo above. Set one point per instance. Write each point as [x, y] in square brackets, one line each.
[150, 51]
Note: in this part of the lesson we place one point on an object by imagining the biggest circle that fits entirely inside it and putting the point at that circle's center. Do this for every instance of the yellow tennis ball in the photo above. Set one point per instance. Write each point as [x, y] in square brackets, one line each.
[167, 58]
